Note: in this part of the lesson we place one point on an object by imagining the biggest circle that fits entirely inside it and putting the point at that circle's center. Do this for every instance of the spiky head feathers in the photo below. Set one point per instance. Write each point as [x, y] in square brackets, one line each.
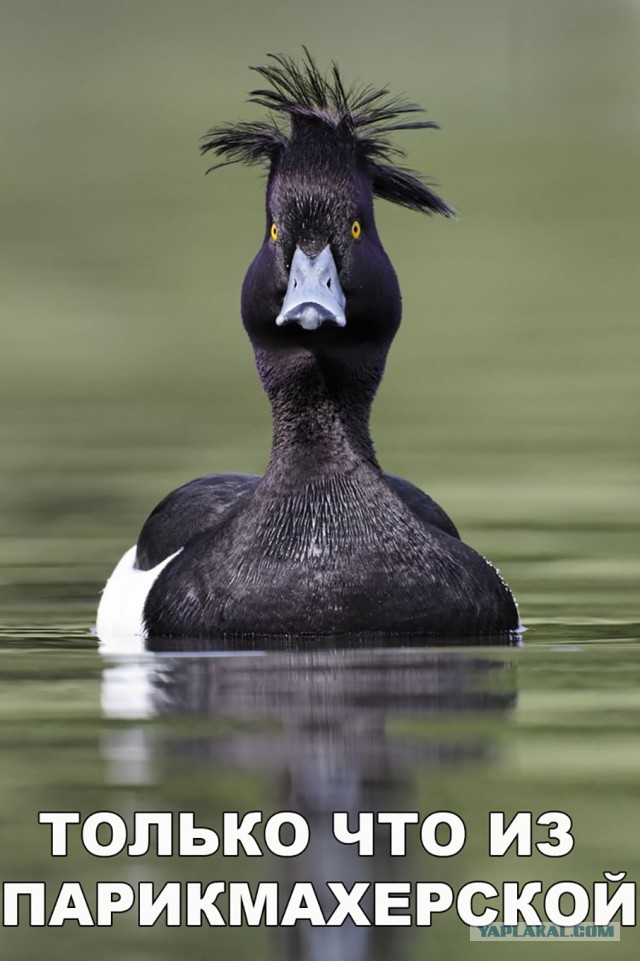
[344, 125]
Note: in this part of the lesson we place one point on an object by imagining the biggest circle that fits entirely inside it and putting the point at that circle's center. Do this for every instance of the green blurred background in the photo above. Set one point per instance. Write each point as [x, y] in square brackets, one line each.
[511, 389]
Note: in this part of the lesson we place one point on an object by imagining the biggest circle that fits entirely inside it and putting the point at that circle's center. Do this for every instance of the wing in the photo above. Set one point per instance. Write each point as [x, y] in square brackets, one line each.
[189, 510]
[422, 506]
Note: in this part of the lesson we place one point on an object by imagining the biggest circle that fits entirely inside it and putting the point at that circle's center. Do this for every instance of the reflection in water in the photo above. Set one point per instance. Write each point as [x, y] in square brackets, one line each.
[319, 723]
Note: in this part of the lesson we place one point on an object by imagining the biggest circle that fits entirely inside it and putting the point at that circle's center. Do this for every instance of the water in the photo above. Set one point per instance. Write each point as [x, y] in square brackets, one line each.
[549, 725]
[510, 395]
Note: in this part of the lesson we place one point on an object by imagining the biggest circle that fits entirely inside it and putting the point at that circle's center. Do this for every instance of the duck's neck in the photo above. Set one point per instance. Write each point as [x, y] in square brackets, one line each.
[321, 407]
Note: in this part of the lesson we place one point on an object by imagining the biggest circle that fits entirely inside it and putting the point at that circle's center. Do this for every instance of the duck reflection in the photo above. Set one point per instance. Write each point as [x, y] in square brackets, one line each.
[335, 729]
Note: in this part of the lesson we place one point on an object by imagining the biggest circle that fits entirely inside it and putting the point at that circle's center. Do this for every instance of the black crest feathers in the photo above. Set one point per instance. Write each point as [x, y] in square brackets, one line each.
[364, 117]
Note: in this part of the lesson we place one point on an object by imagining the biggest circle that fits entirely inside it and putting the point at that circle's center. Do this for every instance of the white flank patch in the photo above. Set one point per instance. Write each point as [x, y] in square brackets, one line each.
[120, 614]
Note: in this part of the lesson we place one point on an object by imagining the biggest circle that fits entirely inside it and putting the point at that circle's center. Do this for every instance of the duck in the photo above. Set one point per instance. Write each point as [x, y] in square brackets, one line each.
[324, 543]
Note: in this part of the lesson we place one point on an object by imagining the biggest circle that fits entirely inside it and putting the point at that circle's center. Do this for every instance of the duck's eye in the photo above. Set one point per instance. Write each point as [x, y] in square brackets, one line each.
[356, 229]
[274, 232]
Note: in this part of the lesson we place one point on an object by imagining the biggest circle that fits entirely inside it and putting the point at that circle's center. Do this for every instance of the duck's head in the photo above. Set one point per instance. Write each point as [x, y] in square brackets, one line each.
[321, 279]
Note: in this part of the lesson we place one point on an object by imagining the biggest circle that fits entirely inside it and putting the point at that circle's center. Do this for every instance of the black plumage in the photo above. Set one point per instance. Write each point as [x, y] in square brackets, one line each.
[325, 542]
[359, 119]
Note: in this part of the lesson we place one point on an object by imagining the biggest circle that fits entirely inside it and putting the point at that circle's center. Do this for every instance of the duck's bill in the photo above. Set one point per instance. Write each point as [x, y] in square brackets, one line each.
[314, 296]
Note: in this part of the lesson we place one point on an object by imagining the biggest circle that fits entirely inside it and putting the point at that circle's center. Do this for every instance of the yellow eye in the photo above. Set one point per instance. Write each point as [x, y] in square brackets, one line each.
[356, 229]
[274, 232]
